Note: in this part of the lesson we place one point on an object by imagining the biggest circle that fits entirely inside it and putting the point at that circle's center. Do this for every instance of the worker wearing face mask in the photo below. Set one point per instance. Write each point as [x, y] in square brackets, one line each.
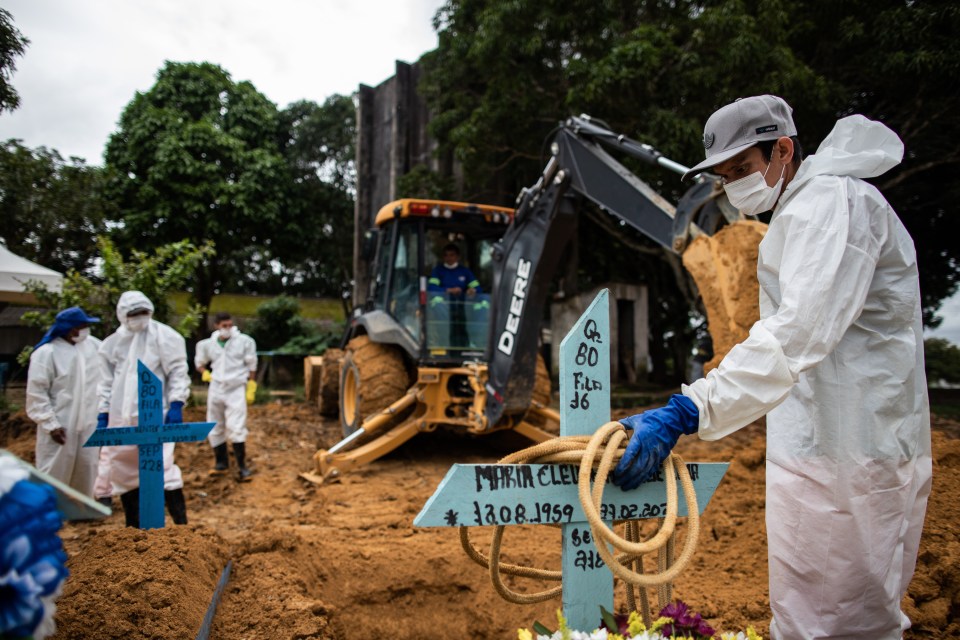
[232, 356]
[62, 399]
[836, 365]
[164, 352]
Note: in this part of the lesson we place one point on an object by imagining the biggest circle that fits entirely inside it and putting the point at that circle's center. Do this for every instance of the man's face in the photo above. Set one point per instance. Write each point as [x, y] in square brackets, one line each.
[751, 160]
[450, 257]
[741, 166]
[74, 332]
[225, 324]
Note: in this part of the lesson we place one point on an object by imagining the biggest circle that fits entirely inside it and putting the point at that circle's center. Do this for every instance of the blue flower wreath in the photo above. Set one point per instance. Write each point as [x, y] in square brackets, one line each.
[31, 557]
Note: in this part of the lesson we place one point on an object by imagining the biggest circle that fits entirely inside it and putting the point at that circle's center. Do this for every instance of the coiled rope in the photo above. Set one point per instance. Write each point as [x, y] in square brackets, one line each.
[627, 565]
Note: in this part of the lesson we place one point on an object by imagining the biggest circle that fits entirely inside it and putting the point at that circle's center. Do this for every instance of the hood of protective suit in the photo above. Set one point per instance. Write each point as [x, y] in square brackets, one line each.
[131, 301]
[856, 147]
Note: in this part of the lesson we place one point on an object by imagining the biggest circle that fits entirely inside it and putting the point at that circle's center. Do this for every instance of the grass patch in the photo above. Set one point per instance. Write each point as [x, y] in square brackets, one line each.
[243, 305]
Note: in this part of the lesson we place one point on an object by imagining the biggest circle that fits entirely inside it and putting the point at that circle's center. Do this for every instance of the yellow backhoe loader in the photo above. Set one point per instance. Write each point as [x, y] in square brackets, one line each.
[417, 358]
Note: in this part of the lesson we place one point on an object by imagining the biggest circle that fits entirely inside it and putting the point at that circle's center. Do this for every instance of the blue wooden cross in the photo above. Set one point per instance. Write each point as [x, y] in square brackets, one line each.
[490, 494]
[149, 436]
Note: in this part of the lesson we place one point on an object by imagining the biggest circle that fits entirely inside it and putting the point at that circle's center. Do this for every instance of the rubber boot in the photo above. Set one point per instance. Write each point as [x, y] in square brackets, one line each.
[240, 453]
[106, 501]
[176, 505]
[131, 507]
[222, 460]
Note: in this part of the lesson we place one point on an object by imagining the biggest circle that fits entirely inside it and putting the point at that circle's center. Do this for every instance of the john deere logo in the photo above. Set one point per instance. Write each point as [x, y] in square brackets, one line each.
[708, 139]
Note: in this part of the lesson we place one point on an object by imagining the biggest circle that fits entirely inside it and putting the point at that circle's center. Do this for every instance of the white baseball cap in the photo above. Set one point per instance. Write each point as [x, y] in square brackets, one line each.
[742, 124]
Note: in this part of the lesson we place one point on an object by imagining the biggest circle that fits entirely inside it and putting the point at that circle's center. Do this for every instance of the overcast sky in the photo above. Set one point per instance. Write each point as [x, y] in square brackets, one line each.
[87, 58]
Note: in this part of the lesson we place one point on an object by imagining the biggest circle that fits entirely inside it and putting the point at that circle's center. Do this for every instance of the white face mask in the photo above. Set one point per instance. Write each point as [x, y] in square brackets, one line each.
[226, 333]
[82, 335]
[752, 195]
[137, 323]
[452, 266]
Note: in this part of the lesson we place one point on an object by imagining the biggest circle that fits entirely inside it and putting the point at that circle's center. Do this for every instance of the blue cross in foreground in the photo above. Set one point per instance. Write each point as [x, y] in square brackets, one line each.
[149, 436]
[491, 494]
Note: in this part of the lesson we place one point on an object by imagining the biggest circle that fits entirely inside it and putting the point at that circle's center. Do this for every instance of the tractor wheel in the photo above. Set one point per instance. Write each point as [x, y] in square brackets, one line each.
[328, 395]
[542, 394]
[372, 377]
[541, 383]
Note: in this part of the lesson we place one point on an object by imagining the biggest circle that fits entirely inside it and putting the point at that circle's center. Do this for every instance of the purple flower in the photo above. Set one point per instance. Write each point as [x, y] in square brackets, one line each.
[685, 623]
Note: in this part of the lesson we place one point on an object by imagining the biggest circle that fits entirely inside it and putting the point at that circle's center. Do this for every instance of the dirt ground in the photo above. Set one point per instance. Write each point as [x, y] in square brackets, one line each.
[344, 561]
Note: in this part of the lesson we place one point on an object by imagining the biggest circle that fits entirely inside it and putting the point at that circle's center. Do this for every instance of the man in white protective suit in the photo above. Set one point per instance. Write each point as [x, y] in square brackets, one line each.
[835, 363]
[232, 357]
[62, 399]
[164, 352]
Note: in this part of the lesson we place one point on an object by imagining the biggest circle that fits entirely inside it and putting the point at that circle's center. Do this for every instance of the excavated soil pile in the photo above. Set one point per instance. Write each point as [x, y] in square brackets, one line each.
[127, 583]
[344, 561]
[724, 266]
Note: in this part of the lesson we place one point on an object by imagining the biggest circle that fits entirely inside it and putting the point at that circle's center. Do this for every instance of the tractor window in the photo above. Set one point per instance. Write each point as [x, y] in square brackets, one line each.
[458, 296]
[404, 295]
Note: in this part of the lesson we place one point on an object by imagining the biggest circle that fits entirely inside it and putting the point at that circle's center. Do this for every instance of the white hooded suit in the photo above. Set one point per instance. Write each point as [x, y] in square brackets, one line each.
[164, 352]
[232, 363]
[836, 364]
[62, 393]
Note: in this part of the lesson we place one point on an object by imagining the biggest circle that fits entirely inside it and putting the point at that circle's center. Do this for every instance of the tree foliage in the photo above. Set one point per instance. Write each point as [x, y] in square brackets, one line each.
[197, 157]
[51, 210]
[319, 148]
[942, 361]
[12, 45]
[203, 157]
[505, 73]
[156, 274]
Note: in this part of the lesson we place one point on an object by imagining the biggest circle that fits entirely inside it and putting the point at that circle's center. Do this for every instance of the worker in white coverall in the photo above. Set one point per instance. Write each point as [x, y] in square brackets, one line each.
[232, 357]
[164, 352]
[62, 399]
[835, 363]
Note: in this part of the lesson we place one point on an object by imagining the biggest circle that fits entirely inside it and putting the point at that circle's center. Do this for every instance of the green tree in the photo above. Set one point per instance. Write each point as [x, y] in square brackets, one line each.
[12, 45]
[942, 359]
[156, 273]
[197, 157]
[318, 145]
[505, 73]
[278, 321]
[51, 210]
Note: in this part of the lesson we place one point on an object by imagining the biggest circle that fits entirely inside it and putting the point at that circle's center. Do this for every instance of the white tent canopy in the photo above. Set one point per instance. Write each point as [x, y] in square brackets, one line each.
[15, 272]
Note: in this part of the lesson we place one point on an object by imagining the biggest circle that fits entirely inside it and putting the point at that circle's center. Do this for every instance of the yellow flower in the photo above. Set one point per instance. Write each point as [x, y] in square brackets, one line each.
[660, 622]
[524, 634]
[635, 624]
[753, 635]
[562, 622]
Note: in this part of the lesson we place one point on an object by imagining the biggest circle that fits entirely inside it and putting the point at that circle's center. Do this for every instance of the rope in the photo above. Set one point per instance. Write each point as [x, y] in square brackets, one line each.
[608, 443]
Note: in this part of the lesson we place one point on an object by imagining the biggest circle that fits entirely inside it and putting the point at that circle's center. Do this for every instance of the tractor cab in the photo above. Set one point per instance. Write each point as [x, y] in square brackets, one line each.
[434, 270]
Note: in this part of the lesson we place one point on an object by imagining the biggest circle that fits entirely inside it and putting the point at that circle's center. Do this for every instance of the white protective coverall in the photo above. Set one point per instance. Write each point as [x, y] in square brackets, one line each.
[836, 364]
[163, 351]
[62, 393]
[226, 398]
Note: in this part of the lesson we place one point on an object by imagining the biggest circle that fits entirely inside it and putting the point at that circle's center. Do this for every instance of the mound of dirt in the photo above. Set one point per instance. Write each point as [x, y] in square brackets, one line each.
[344, 561]
[724, 266]
[128, 583]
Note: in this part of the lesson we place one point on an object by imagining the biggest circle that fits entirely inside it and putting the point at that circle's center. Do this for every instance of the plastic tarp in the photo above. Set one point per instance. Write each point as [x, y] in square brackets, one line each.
[15, 272]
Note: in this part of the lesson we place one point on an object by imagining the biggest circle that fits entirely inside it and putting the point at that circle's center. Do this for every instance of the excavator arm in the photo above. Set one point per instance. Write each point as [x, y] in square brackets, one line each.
[527, 257]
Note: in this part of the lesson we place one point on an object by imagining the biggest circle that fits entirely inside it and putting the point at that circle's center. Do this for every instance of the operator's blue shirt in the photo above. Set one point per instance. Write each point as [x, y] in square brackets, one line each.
[442, 278]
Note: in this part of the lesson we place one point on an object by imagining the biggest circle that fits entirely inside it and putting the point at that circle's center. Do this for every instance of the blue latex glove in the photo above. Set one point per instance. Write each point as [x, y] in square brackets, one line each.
[655, 433]
[102, 420]
[175, 414]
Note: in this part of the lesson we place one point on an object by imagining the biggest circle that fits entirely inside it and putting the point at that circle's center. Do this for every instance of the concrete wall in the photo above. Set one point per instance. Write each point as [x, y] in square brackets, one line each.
[625, 367]
[392, 139]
